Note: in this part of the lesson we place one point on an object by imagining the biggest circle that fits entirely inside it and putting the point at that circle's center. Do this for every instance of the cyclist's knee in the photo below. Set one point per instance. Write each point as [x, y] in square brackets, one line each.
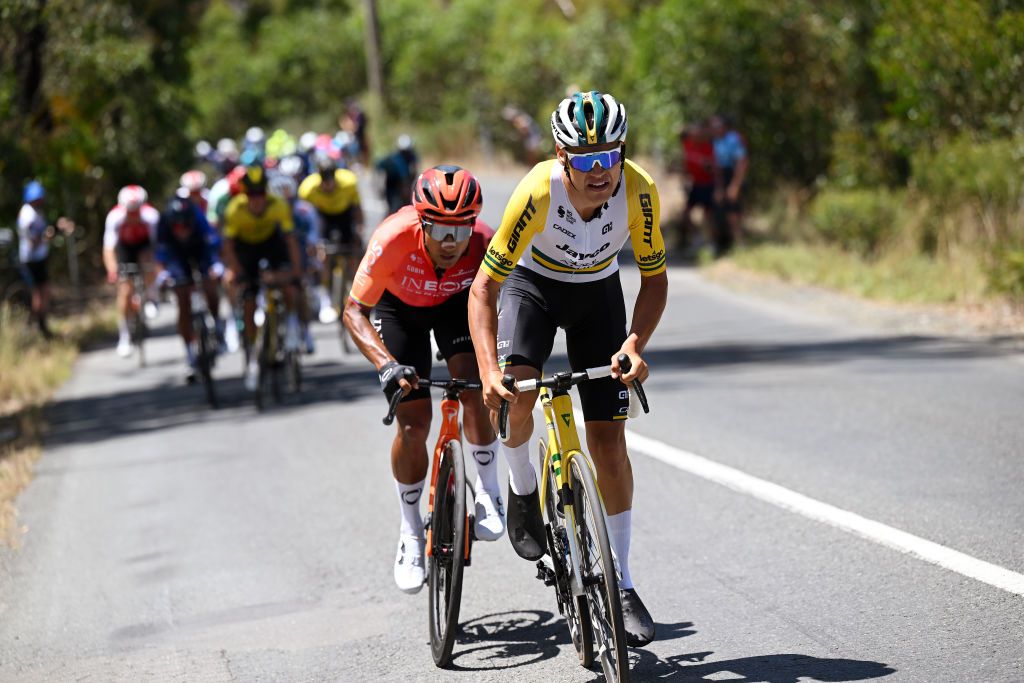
[413, 422]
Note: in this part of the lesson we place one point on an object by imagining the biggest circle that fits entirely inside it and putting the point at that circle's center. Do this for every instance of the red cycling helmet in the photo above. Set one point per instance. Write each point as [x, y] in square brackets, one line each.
[447, 194]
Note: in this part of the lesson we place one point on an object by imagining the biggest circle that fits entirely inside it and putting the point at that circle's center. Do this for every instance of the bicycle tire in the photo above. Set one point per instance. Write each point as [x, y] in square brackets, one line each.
[205, 357]
[601, 589]
[264, 367]
[447, 553]
[139, 332]
[294, 372]
[573, 608]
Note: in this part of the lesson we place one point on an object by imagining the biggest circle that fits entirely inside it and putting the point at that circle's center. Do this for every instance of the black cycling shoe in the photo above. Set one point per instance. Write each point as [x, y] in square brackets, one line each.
[636, 619]
[525, 526]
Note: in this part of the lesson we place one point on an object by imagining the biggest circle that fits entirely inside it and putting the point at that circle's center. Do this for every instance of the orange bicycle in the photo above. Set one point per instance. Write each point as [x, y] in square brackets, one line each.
[448, 524]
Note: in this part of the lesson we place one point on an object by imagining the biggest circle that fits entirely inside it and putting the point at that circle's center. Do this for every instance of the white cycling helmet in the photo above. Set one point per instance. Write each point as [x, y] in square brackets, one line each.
[282, 185]
[132, 197]
[588, 118]
[193, 180]
[307, 141]
[291, 165]
[255, 135]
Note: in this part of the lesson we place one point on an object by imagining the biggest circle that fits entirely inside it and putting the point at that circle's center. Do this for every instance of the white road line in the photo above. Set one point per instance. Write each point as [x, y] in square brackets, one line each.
[918, 547]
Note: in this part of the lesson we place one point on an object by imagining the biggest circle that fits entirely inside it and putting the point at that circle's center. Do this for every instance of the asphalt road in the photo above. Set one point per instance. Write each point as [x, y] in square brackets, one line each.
[168, 542]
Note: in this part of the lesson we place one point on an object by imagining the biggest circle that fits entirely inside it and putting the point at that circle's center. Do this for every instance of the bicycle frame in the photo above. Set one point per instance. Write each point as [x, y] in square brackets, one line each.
[563, 448]
[449, 431]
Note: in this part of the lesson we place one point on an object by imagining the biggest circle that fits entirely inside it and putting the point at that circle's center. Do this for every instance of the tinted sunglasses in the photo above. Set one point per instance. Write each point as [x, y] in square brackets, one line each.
[586, 162]
[441, 231]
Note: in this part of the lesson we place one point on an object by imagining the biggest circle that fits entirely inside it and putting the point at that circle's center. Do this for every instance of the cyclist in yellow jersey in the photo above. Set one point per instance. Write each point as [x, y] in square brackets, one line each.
[554, 262]
[258, 227]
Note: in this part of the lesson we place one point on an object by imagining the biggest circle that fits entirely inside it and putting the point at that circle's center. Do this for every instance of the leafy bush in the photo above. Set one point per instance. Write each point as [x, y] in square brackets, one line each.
[1006, 275]
[986, 175]
[857, 220]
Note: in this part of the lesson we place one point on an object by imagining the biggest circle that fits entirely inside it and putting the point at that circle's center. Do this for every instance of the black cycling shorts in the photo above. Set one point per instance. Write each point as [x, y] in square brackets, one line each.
[336, 228]
[273, 249]
[593, 314]
[130, 253]
[35, 273]
[405, 331]
[701, 195]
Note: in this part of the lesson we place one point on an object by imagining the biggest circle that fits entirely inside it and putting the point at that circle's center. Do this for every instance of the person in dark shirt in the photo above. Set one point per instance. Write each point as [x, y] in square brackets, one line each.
[399, 169]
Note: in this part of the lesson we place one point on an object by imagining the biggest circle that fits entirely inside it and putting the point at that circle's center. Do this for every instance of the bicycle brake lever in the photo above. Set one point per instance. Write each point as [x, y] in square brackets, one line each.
[509, 382]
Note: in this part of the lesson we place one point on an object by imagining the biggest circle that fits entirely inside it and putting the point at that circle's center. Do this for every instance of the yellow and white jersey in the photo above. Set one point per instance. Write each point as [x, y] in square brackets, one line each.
[542, 231]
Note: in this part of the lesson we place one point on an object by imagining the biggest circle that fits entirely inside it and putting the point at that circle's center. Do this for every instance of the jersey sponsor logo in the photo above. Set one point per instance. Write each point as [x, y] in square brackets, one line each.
[580, 256]
[606, 228]
[414, 269]
[461, 340]
[566, 214]
[432, 286]
[499, 257]
[517, 231]
[652, 258]
[648, 211]
[562, 230]
[504, 344]
[373, 253]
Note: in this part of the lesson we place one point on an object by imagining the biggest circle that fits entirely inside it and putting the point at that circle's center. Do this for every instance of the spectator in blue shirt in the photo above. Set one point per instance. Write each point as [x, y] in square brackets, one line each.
[731, 165]
[34, 235]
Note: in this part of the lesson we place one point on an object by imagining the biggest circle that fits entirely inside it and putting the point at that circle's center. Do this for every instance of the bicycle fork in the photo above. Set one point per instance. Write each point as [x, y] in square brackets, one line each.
[560, 404]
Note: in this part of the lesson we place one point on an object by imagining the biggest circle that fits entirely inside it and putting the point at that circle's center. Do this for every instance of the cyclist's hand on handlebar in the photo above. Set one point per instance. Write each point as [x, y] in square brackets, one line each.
[395, 377]
[638, 370]
[494, 392]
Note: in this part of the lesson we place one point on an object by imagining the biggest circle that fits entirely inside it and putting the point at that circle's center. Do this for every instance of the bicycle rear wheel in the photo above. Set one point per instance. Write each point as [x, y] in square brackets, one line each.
[139, 334]
[204, 361]
[447, 552]
[574, 609]
[600, 581]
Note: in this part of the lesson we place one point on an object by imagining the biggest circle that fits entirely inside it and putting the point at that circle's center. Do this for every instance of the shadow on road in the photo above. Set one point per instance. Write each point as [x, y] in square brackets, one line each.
[825, 352]
[780, 668]
[97, 417]
[508, 640]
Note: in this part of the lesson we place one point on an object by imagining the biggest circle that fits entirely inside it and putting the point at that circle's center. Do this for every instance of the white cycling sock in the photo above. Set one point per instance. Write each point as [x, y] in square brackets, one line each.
[122, 327]
[619, 527]
[521, 476]
[409, 501]
[486, 465]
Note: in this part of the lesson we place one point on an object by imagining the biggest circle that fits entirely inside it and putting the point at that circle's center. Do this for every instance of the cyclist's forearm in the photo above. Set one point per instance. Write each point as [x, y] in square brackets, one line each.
[483, 320]
[109, 260]
[650, 304]
[365, 337]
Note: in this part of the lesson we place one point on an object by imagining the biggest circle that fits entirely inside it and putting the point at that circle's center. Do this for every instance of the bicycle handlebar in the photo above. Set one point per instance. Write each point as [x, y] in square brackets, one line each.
[453, 385]
[565, 380]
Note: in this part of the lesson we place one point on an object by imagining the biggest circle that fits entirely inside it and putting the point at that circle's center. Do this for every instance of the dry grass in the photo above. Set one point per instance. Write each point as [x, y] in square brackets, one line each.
[31, 369]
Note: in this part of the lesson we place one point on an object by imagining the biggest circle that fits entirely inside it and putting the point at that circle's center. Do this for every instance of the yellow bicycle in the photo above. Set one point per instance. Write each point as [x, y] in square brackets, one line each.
[582, 569]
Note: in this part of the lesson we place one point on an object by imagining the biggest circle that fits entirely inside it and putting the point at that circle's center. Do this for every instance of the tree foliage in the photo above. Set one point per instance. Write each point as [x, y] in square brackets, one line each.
[847, 95]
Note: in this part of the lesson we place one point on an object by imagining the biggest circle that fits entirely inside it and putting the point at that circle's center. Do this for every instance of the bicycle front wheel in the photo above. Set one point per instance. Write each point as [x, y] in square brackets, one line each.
[573, 608]
[204, 358]
[600, 581]
[447, 552]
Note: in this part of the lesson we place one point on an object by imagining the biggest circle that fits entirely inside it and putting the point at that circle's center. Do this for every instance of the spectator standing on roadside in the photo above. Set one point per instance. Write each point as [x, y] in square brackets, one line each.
[354, 121]
[699, 172]
[731, 166]
[34, 235]
[399, 169]
[528, 131]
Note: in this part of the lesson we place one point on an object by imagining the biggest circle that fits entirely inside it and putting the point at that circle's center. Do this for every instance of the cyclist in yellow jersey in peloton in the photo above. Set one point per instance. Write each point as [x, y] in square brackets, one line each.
[554, 261]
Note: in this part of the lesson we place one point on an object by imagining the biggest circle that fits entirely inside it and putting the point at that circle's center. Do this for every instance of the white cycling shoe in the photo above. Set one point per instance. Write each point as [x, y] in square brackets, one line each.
[410, 571]
[490, 515]
[124, 346]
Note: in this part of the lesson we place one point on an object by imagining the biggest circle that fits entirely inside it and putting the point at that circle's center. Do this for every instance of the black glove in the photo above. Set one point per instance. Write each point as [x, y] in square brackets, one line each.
[389, 375]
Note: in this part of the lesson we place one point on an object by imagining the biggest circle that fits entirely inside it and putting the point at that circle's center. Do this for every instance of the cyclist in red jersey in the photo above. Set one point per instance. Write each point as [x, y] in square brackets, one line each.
[414, 278]
[128, 237]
